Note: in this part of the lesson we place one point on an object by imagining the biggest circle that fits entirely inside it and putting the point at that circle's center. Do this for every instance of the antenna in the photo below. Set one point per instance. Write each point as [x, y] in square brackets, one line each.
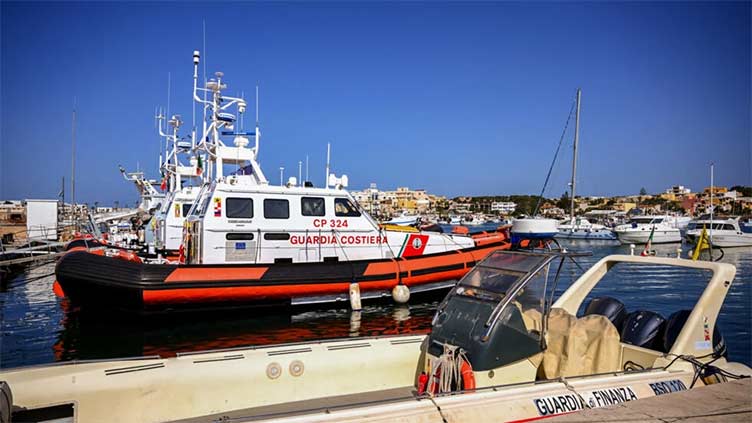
[328, 155]
[306, 167]
[73, 155]
[300, 171]
[257, 105]
[203, 23]
[712, 209]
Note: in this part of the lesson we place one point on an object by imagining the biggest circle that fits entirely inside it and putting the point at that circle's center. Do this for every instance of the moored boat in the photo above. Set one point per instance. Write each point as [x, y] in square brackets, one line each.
[500, 348]
[640, 229]
[723, 233]
[581, 228]
[247, 242]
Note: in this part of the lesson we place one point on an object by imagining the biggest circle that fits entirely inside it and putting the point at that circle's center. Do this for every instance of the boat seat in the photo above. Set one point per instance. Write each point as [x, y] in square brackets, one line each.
[577, 347]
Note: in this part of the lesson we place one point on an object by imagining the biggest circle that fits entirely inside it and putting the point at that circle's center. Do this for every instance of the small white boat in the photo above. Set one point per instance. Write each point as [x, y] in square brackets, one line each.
[455, 220]
[639, 229]
[723, 232]
[475, 221]
[581, 228]
[404, 219]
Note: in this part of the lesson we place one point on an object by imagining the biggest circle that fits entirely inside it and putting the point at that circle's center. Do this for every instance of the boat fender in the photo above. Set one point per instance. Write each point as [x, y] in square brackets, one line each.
[355, 297]
[401, 294]
[468, 377]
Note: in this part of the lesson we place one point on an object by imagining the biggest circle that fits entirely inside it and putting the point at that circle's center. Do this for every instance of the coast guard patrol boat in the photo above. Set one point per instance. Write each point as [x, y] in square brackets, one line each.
[246, 241]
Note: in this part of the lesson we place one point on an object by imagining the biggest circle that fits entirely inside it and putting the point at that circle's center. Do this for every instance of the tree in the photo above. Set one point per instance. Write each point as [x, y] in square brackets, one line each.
[563, 202]
[643, 191]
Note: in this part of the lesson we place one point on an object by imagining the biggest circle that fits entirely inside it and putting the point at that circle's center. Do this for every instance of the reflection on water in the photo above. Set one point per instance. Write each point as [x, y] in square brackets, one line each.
[37, 327]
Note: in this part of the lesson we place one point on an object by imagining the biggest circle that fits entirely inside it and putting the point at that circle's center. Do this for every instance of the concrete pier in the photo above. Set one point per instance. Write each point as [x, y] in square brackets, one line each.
[723, 402]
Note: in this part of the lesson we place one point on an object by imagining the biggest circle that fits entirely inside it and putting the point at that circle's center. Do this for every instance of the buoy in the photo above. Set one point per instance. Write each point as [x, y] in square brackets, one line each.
[401, 294]
[355, 296]
[631, 249]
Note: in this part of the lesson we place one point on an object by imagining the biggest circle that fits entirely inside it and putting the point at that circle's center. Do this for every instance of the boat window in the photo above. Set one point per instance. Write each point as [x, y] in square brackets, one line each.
[239, 208]
[312, 206]
[344, 207]
[276, 209]
[278, 236]
[728, 227]
[238, 236]
[499, 273]
[187, 208]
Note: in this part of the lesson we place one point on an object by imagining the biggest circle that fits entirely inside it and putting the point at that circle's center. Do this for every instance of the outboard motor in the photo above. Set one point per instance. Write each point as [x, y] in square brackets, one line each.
[674, 326]
[644, 329]
[613, 309]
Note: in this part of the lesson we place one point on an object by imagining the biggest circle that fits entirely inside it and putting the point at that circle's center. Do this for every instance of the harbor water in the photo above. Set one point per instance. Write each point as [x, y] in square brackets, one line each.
[37, 327]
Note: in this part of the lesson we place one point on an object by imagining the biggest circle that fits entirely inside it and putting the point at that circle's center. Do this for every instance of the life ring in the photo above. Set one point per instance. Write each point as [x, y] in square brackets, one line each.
[468, 377]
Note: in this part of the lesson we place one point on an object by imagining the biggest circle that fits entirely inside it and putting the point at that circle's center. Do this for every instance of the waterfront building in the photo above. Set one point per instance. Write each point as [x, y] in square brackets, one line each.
[503, 207]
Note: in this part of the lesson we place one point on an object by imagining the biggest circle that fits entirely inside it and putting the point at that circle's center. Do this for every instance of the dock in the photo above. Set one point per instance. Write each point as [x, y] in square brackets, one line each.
[726, 402]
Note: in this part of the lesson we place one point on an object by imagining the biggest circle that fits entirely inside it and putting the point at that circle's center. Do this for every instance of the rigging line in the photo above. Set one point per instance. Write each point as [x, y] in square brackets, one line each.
[553, 162]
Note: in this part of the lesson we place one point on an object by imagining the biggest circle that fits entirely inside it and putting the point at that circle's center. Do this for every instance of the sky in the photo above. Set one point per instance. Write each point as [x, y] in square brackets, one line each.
[455, 98]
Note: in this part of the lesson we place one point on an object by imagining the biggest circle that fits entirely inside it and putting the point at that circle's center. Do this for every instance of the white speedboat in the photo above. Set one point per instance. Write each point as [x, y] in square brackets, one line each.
[476, 220]
[640, 228]
[500, 349]
[581, 228]
[722, 232]
[455, 220]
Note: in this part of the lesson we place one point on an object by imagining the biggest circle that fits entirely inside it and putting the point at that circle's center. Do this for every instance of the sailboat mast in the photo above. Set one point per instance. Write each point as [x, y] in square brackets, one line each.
[73, 156]
[574, 155]
[712, 207]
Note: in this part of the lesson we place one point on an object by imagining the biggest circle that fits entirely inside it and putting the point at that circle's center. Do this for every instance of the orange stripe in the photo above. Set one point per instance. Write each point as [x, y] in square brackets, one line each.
[381, 268]
[192, 274]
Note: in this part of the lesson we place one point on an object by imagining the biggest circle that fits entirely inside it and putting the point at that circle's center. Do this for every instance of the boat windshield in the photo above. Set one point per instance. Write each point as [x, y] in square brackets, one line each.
[499, 273]
[496, 311]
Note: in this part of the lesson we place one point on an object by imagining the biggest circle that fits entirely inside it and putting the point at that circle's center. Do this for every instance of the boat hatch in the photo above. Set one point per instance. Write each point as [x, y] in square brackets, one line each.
[495, 312]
